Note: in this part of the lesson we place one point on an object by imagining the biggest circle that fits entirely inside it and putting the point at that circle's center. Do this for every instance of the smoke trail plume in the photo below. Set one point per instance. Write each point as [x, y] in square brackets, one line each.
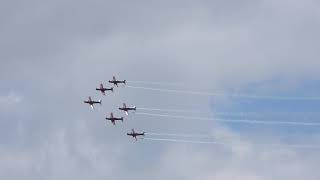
[167, 110]
[179, 135]
[227, 95]
[156, 83]
[285, 146]
[234, 120]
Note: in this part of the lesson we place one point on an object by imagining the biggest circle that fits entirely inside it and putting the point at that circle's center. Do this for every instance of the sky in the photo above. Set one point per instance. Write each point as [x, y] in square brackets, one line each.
[53, 54]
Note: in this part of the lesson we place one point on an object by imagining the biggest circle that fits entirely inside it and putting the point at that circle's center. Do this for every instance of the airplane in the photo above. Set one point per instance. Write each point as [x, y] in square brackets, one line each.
[134, 134]
[116, 82]
[114, 119]
[103, 89]
[126, 109]
[91, 102]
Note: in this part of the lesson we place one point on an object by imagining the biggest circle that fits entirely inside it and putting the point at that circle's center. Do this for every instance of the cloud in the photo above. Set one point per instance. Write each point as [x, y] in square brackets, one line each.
[10, 99]
[56, 53]
[185, 161]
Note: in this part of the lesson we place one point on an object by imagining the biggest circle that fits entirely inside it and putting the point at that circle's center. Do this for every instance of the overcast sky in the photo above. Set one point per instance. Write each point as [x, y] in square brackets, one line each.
[54, 54]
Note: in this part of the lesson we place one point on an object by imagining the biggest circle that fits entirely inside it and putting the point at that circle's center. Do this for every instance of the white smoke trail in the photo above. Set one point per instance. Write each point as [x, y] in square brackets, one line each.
[167, 110]
[194, 111]
[156, 83]
[234, 120]
[179, 135]
[215, 113]
[233, 114]
[296, 146]
[226, 95]
[177, 91]
[185, 141]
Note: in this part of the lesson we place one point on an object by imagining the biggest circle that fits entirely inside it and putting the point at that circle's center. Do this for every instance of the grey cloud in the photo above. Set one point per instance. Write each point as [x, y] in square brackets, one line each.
[55, 53]
[10, 99]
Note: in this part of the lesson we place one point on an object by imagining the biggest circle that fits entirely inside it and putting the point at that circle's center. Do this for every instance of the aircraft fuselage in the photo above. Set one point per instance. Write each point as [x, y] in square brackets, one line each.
[127, 109]
[104, 89]
[117, 82]
[115, 119]
[92, 102]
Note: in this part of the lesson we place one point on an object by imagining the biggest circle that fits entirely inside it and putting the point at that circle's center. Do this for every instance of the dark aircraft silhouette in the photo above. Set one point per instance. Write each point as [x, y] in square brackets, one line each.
[126, 109]
[91, 102]
[116, 82]
[103, 89]
[134, 134]
[114, 119]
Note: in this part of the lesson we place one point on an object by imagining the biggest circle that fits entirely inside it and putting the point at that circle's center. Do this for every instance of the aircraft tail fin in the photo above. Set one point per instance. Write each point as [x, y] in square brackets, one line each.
[135, 108]
[111, 89]
[124, 82]
[100, 102]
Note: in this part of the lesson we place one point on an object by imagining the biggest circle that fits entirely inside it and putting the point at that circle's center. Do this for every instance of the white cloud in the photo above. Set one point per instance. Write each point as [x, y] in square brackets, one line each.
[71, 48]
[10, 99]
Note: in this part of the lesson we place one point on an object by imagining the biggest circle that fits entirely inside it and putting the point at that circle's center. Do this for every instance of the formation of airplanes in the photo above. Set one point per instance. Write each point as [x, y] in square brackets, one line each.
[124, 107]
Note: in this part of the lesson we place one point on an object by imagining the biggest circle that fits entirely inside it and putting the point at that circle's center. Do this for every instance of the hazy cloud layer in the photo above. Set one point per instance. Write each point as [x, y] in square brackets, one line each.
[53, 55]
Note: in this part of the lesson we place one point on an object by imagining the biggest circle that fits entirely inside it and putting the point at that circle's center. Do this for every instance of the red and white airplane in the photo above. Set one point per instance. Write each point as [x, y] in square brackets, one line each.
[116, 82]
[91, 102]
[127, 109]
[103, 89]
[134, 134]
[114, 119]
